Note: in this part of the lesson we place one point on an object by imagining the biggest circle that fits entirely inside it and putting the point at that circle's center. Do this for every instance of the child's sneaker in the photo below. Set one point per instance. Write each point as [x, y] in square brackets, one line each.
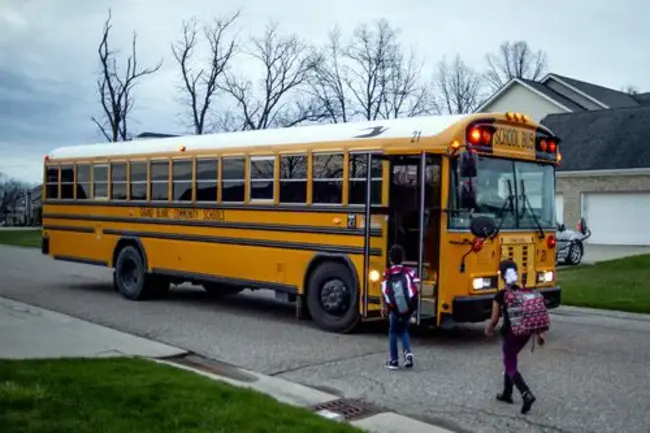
[392, 364]
[408, 360]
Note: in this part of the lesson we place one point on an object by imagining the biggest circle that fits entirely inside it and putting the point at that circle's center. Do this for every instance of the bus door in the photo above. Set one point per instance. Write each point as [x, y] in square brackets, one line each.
[414, 221]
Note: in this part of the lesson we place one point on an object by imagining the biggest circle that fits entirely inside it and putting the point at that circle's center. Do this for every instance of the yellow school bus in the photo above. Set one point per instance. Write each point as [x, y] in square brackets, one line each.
[310, 212]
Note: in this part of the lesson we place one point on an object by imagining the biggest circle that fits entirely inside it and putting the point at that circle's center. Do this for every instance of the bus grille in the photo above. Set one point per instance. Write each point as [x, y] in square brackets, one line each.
[524, 256]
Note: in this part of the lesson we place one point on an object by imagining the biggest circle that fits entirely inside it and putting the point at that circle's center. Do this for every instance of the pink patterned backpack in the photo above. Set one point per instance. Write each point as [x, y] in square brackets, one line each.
[527, 312]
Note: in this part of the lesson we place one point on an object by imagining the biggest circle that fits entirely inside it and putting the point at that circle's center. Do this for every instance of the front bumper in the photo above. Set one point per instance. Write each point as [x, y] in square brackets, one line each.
[478, 308]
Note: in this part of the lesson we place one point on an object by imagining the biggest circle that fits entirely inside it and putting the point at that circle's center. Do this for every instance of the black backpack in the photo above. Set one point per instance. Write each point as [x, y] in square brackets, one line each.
[398, 293]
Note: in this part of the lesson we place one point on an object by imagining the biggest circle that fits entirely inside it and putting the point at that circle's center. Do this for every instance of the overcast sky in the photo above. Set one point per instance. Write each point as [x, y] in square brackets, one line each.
[48, 51]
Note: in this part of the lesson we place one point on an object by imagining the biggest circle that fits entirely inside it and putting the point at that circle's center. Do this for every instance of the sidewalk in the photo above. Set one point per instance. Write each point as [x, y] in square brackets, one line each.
[31, 332]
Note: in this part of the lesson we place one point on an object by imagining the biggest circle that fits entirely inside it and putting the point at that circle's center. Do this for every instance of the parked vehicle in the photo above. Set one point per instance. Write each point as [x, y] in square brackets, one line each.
[570, 243]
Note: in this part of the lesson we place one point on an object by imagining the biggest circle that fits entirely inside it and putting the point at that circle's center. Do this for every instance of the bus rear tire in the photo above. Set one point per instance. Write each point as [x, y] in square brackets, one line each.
[130, 277]
[333, 299]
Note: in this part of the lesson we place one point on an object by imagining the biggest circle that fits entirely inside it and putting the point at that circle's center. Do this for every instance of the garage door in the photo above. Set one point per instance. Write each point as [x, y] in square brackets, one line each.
[617, 218]
[559, 208]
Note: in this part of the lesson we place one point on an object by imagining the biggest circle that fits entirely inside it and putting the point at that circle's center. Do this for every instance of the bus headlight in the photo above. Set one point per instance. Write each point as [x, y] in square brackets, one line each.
[481, 283]
[374, 276]
[545, 277]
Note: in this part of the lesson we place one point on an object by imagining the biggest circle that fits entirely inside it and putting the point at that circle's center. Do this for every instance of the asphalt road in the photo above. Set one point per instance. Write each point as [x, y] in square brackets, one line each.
[592, 375]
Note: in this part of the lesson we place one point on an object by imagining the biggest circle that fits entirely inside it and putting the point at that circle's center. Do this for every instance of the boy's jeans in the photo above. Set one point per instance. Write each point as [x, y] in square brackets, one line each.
[398, 328]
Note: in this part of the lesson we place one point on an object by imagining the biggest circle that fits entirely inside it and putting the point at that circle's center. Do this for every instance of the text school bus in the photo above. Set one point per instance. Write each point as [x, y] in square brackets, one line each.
[288, 210]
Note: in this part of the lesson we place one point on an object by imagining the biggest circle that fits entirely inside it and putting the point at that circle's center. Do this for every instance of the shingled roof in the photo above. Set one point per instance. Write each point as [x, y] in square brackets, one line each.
[614, 139]
[612, 98]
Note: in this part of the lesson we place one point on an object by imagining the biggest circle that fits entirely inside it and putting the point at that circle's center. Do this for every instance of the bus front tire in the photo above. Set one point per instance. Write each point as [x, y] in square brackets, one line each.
[332, 298]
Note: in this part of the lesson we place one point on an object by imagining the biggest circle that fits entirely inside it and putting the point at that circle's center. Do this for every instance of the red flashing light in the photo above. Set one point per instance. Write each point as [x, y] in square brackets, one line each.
[477, 245]
[551, 241]
[486, 137]
[543, 145]
[475, 136]
[552, 146]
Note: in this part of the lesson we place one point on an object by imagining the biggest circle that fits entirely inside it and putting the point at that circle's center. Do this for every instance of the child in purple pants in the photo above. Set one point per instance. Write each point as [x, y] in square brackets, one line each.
[512, 344]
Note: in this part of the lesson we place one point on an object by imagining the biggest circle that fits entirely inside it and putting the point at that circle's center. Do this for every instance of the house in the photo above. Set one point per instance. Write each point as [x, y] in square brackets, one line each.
[557, 94]
[604, 174]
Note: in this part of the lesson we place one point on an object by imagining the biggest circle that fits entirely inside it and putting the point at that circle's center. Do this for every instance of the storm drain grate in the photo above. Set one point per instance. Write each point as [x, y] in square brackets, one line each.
[350, 409]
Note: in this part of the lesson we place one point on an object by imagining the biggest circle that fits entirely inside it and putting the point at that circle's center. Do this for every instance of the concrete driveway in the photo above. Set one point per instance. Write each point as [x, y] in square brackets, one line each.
[599, 253]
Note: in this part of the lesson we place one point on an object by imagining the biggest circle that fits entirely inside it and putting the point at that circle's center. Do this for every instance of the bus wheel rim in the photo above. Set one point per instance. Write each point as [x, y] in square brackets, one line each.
[335, 297]
[129, 275]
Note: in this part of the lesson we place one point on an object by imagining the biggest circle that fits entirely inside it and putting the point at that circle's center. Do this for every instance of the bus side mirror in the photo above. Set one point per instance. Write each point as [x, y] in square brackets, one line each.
[561, 227]
[467, 196]
[467, 162]
[483, 227]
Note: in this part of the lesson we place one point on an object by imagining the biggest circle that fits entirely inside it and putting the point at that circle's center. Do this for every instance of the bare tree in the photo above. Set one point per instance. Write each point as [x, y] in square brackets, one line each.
[11, 191]
[630, 90]
[370, 77]
[280, 100]
[115, 88]
[458, 87]
[200, 84]
[514, 60]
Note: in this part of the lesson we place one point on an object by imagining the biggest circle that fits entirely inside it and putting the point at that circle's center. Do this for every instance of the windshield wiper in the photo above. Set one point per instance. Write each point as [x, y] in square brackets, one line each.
[507, 206]
[526, 204]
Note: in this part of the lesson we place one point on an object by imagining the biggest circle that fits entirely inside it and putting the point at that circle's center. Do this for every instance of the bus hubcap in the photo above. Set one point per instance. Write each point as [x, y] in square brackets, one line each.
[130, 277]
[335, 297]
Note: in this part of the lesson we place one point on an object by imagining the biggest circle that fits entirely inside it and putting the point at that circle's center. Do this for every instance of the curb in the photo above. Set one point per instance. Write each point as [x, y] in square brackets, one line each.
[354, 412]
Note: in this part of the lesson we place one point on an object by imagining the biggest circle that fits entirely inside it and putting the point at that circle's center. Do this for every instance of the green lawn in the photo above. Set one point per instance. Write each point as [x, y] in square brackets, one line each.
[133, 395]
[622, 284]
[21, 238]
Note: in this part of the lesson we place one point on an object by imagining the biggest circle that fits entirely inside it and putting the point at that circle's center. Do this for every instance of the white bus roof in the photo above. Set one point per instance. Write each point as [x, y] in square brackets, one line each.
[393, 128]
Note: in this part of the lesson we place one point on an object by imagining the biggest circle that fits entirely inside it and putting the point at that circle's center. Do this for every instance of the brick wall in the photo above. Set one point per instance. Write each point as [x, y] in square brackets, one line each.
[572, 187]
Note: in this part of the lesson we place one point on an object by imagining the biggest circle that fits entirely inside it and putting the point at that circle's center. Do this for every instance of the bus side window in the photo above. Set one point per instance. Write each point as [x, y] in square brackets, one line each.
[327, 178]
[293, 179]
[118, 181]
[138, 181]
[357, 183]
[159, 189]
[182, 180]
[262, 177]
[100, 181]
[207, 173]
[83, 181]
[233, 182]
[52, 182]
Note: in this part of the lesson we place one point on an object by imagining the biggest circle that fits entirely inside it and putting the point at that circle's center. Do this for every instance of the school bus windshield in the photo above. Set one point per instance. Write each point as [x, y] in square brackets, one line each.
[499, 194]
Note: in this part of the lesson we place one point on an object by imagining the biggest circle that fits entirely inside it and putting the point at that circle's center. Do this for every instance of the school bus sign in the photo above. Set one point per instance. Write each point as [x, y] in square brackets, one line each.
[517, 140]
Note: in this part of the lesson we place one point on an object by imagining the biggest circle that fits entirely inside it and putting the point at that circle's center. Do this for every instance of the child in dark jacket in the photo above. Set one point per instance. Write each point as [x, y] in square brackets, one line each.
[398, 275]
[512, 344]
